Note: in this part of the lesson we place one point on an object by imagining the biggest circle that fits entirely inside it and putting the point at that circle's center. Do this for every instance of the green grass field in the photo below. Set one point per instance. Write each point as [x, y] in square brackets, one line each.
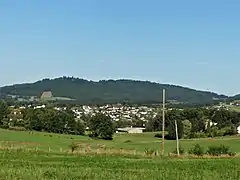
[26, 155]
[128, 142]
[21, 165]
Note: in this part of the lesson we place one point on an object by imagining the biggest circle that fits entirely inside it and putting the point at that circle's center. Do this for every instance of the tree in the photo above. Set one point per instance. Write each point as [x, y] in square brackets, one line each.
[79, 128]
[196, 117]
[4, 111]
[123, 123]
[171, 117]
[155, 124]
[51, 120]
[101, 126]
[187, 127]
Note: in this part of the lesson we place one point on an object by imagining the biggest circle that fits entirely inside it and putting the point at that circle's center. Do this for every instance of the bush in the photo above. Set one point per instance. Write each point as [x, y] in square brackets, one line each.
[215, 132]
[127, 141]
[181, 151]
[16, 128]
[196, 150]
[187, 127]
[150, 152]
[229, 131]
[4, 126]
[73, 147]
[219, 150]
[158, 135]
[198, 135]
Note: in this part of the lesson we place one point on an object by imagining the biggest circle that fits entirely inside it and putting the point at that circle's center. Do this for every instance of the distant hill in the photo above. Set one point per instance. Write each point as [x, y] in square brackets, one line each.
[111, 91]
[234, 98]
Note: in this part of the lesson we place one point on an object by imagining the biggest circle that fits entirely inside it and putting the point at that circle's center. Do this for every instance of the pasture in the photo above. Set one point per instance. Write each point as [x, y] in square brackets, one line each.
[127, 142]
[35, 155]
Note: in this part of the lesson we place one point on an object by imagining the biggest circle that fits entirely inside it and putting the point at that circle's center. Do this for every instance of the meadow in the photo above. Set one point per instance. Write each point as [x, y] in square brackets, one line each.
[127, 142]
[35, 155]
[32, 165]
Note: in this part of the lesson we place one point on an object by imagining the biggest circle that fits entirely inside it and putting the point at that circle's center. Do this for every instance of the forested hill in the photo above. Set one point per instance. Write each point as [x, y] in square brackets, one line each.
[111, 91]
[236, 97]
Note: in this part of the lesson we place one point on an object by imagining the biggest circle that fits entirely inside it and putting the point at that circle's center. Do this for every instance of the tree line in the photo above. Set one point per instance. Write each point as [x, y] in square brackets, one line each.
[197, 122]
[56, 121]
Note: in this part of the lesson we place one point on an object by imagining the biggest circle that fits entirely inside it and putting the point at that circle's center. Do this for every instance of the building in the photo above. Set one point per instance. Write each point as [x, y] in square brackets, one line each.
[238, 129]
[131, 130]
[46, 95]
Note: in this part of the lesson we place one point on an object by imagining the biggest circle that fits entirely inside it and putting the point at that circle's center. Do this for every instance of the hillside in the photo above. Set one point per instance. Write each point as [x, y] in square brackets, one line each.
[235, 98]
[111, 91]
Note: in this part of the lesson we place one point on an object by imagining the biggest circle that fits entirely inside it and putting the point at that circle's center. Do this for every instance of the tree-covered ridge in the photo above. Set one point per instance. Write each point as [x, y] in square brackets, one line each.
[111, 91]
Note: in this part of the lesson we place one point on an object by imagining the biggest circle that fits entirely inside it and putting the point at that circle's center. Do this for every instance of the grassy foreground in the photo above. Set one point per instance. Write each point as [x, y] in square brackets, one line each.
[35, 155]
[39, 165]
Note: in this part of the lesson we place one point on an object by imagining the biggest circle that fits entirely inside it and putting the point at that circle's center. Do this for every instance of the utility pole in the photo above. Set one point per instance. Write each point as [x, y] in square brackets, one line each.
[163, 121]
[177, 138]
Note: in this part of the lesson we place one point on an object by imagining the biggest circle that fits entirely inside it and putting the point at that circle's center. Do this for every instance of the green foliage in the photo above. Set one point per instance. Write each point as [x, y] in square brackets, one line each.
[187, 128]
[151, 152]
[229, 130]
[154, 124]
[197, 135]
[215, 132]
[123, 123]
[158, 135]
[196, 117]
[196, 150]
[181, 150]
[101, 126]
[219, 150]
[171, 117]
[50, 120]
[73, 146]
[111, 91]
[4, 111]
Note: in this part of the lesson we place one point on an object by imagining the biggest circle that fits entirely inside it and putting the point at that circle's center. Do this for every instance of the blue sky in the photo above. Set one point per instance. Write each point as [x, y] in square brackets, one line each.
[188, 43]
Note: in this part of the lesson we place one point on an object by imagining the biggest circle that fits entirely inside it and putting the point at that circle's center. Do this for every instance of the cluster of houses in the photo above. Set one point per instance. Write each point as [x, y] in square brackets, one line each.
[116, 112]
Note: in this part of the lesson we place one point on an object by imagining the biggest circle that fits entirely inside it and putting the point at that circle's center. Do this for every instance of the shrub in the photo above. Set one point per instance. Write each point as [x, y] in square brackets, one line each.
[181, 151]
[215, 132]
[158, 135]
[198, 135]
[229, 131]
[150, 152]
[73, 147]
[219, 150]
[196, 150]
[4, 126]
[16, 128]
[187, 127]
[127, 141]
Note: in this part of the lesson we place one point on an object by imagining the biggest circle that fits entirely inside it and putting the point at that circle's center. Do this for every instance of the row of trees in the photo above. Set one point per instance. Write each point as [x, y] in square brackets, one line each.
[55, 121]
[197, 122]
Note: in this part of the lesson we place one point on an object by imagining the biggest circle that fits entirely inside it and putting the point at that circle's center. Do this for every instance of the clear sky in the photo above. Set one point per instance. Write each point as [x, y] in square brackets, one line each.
[194, 43]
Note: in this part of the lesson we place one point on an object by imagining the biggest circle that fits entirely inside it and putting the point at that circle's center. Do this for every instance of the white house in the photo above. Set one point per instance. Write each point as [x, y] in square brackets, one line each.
[131, 130]
[238, 129]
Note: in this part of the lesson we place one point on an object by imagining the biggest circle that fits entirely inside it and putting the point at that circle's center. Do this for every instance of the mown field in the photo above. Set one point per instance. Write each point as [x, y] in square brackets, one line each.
[34, 155]
[126, 142]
